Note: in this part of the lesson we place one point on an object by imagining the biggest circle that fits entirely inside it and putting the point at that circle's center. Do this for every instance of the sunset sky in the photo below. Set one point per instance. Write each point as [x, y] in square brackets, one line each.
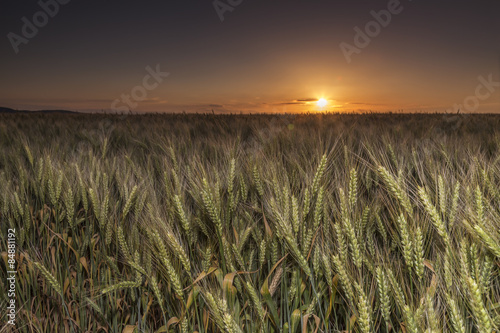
[265, 56]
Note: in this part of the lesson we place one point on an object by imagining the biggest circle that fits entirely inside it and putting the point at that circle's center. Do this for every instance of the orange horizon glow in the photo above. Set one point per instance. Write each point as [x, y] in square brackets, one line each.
[291, 106]
[252, 96]
[285, 63]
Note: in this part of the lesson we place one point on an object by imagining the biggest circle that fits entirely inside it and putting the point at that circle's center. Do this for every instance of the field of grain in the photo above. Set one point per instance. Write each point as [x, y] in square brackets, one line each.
[239, 223]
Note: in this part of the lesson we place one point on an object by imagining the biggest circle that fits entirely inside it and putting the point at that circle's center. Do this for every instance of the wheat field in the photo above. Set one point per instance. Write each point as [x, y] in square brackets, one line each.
[252, 223]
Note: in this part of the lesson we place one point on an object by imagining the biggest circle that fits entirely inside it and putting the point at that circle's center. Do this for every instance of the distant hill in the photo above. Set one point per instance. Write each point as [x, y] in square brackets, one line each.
[9, 110]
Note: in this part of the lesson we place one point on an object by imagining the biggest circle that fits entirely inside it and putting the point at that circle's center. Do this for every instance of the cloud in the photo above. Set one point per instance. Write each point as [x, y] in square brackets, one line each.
[290, 103]
[301, 101]
[307, 100]
[361, 103]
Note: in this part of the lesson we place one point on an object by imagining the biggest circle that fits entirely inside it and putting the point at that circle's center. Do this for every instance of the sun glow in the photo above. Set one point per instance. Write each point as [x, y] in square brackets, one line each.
[322, 102]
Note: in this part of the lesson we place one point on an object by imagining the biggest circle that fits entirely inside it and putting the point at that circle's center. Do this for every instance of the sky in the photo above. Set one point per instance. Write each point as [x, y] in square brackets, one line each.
[234, 56]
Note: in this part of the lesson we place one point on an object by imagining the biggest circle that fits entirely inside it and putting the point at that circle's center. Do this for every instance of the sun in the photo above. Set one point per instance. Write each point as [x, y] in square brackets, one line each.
[322, 102]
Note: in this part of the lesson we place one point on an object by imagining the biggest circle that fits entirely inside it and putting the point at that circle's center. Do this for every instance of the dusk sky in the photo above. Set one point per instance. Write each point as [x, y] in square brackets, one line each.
[265, 56]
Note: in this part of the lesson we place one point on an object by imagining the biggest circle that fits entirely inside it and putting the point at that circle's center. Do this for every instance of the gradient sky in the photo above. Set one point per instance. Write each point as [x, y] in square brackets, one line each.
[266, 56]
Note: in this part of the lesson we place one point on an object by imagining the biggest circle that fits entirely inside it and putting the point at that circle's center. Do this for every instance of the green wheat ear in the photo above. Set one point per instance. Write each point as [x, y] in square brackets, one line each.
[396, 190]
[455, 315]
[364, 309]
[319, 174]
[383, 289]
[482, 317]
[419, 253]
[435, 217]
[121, 285]
[488, 241]
[344, 279]
[411, 324]
[406, 241]
[51, 280]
